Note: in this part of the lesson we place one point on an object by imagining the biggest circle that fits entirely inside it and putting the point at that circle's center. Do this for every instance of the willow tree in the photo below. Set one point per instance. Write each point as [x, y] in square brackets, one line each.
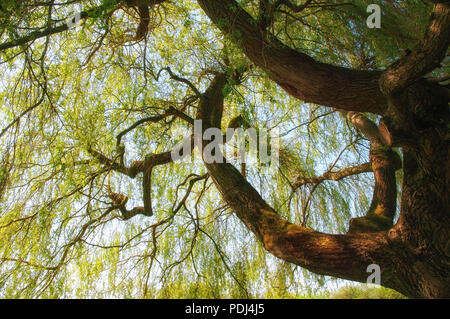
[95, 96]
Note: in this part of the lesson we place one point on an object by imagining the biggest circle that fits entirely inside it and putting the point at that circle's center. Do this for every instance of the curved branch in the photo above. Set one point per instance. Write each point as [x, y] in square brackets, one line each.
[344, 256]
[119, 202]
[144, 166]
[154, 119]
[32, 36]
[141, 31]
[334, 176]
[380, 215]
[175, 77]
[426, 57]
[368, 128]
[384, 162]
[297, 73]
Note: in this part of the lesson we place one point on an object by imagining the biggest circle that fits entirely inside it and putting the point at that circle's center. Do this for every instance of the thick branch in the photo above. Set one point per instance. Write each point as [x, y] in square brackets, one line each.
[144, 20]
[384, 162]
[136, 167]
[368, 128]
[141, 31]
[32, 36]
[382, 209]
[426, 57]
[297, 73]
[344, 256]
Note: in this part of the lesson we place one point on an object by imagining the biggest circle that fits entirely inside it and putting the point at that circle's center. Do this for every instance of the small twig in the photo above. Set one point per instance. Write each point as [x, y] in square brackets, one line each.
[175, 77]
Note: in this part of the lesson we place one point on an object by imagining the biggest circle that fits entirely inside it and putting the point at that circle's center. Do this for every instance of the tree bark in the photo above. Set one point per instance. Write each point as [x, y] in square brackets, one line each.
[414, 255]
[297, 73]
[344, 256]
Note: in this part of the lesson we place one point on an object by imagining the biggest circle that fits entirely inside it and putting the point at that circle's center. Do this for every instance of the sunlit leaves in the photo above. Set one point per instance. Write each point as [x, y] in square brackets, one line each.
[95, 82]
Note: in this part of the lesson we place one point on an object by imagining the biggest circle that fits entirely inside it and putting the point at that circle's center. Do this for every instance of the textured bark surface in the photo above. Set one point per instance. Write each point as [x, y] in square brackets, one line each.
[414, 254]
[297, 73]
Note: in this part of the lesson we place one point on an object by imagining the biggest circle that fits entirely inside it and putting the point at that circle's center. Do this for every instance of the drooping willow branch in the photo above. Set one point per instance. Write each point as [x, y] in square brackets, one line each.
[178, 78]
[142, 29]
[144, 166]
[32, 36]
[136, 167]
[26, 111]
[345, 256]
[425, 57]
[154, 119]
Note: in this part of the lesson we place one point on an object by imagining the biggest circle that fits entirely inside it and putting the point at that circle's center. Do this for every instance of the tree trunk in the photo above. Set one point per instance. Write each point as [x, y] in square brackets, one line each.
[414, 255]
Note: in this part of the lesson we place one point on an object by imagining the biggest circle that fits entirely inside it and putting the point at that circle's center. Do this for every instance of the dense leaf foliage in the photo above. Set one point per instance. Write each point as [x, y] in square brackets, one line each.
[67, 93]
